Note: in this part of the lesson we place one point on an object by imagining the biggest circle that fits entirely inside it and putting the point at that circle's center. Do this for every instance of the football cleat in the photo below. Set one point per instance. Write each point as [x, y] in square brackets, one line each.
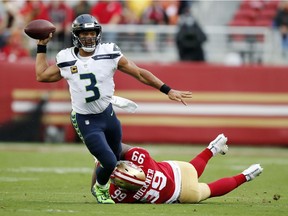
[218, 145]
[252, 172]
[102, 194]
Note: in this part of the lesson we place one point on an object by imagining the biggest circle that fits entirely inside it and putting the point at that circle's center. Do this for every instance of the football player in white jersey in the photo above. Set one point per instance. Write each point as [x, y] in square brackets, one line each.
[89, 68]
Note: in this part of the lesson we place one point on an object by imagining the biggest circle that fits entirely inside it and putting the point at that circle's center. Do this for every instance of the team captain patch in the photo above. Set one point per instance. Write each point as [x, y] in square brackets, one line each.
[74, 69]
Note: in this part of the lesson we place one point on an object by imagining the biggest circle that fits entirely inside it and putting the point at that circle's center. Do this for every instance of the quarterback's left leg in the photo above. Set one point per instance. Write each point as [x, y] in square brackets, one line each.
[218, 145]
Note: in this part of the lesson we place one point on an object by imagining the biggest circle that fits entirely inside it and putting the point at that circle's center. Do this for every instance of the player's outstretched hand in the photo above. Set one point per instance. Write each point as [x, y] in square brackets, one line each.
[179, 95]
[45, 41]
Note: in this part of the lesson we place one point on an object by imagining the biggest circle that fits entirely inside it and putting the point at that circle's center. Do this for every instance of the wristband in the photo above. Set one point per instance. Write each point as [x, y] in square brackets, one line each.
[41, 48]
[165, 89]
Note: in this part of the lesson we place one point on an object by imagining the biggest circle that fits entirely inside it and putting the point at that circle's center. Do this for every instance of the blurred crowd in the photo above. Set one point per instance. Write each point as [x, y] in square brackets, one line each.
[15, 15]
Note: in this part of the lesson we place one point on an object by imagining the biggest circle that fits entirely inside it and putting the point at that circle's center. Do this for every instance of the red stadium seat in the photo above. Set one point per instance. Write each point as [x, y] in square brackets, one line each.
[240, 22]
[254, 13]
[250, 14]
[267, 14]
[272, 4]
[251, 4]
[263, 22]
[244, 5]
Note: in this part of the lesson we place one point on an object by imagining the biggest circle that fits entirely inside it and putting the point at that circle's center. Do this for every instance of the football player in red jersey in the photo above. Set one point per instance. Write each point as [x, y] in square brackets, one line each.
[138, 178]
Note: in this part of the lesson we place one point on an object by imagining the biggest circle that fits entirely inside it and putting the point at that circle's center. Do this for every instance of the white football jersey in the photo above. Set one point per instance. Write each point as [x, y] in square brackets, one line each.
[90, 79]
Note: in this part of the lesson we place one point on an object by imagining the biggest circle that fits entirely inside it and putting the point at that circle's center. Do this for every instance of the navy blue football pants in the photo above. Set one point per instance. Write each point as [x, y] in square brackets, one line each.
[102, 135]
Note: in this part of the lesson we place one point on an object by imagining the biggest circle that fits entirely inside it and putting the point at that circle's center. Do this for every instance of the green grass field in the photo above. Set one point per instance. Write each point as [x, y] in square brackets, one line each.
[42, 179]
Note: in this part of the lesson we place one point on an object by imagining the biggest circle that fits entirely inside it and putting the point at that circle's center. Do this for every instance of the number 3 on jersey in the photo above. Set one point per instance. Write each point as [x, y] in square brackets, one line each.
[92, 87]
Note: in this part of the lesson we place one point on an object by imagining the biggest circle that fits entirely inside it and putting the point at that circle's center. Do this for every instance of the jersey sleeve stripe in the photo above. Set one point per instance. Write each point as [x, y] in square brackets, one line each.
[106, 56]
[66, 64]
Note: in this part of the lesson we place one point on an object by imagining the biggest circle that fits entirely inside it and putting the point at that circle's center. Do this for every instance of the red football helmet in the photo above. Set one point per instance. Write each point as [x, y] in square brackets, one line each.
[128, 176]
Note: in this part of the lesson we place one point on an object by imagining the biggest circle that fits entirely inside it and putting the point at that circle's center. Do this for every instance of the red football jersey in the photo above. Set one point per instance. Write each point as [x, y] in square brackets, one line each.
[160, 185]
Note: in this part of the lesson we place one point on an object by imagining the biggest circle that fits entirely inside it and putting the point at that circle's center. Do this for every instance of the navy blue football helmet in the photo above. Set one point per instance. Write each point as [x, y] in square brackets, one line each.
[86, 22]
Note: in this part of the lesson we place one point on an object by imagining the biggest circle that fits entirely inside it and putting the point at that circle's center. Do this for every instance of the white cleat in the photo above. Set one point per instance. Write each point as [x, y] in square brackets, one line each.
[218, 145]
[252, 172]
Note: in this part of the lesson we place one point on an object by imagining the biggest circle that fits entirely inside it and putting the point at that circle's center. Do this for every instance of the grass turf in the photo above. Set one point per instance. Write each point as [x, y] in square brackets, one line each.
[42, 179]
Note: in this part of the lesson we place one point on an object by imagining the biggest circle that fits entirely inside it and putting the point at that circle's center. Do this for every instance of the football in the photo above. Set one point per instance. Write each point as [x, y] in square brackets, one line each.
[39, 29]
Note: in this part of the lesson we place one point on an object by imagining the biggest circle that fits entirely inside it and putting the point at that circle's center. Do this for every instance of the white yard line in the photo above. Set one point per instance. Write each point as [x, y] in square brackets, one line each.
[16, 179]
[54, 170]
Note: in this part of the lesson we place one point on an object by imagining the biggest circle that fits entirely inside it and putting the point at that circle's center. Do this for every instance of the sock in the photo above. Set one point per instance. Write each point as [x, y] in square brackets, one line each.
[201, 160]
[226, 185]
[101, 186]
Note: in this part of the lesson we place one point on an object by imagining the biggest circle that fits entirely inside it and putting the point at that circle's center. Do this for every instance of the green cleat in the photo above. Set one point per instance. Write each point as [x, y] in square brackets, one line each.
[102, 195]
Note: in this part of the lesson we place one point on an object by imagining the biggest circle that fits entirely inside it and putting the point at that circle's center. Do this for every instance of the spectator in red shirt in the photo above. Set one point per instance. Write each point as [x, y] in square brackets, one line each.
[154, 14]
[33, 9]
[14, 50]
[107, 12]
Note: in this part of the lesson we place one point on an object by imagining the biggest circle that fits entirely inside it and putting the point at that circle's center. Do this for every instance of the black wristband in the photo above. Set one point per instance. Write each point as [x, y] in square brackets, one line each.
[165, 89]
[41, 48]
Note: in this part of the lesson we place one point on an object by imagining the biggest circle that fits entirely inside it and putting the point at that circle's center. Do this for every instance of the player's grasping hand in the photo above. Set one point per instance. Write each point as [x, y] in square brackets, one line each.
[45, 41]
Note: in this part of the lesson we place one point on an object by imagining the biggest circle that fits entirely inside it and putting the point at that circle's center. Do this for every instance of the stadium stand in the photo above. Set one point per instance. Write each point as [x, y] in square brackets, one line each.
[255, 13]
[252, 14]
[148, 43]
